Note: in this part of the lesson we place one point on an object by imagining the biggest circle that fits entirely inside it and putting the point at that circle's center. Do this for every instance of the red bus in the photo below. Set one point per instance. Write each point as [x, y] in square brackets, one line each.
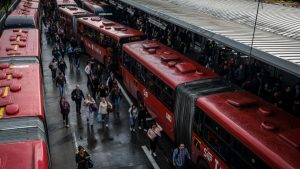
[98, 8]
[69, 16]
[23, 18]
[144, 65]
[103, 38]
[61, 3]
[20, 43]
[23, 144]
[28, 4]
[223, 126]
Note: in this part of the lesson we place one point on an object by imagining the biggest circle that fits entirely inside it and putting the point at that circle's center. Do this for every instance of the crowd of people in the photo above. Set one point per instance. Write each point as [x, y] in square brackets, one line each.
[248, 73]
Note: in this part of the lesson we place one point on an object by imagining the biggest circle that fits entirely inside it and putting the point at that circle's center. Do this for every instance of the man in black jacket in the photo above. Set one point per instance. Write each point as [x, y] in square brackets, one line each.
[77, 96]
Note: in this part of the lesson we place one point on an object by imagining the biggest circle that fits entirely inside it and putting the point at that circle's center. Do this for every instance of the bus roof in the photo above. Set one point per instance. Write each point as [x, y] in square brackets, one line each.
[172, 67]
[66, 3]
[268, 131]
[25, 155]
[30, 0]
[21, 90]
[26, 4]
[20, 43]
[73, 11]
[22, 18]
[110, 28]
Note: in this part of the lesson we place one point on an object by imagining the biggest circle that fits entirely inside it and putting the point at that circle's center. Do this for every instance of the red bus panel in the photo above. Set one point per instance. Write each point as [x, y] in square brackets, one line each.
[61, 3]
[267, 131]
[22, 18]
[21, 90]
[20, 43]
[24, 155]
[26, 4]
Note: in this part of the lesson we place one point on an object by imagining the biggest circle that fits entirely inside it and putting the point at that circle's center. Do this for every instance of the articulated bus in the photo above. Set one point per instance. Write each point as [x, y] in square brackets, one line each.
[22, 116]
[98, 8]
[102, 38]
[61, 3]
[69, 15]
[23, 18]
[223, 126]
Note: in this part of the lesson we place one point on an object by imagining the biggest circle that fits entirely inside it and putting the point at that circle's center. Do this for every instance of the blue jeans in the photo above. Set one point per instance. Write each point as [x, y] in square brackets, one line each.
[61, 90]
[178, 167]
[117, 103]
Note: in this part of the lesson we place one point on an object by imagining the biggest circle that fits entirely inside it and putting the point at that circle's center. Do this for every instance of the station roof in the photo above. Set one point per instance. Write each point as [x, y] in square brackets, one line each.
[277, 37]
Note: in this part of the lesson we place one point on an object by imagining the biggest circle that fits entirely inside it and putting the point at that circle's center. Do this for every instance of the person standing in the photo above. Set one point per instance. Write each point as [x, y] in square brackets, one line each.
[60, 83]
[65, 110]
[179, 156]
[142, 116]
[82, 158]
[104, 106]
[53, 68]
[77, 96]
[153, 134]
[88, 70]
[88, 101]
[133, 113]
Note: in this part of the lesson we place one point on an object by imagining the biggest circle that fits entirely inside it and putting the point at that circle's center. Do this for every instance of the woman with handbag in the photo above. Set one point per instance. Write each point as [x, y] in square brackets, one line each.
[83, 159]
[65, 110]
[88, 101]
[104, 106]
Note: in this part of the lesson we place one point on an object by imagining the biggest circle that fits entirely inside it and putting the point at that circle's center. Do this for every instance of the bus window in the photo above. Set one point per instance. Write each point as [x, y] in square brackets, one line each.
[197, 121]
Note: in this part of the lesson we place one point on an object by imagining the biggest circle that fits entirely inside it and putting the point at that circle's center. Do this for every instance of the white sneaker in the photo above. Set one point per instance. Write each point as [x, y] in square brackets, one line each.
[133, 130]
[140, 127]
[145, 130]
[130, 129]
[154, 154]
[68, 126]
[106, 125]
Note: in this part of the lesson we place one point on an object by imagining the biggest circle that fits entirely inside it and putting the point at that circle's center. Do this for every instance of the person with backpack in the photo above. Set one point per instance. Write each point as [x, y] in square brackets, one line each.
[77, 96]
[180, 155]
[65, 110]
[89, 112]
[133, 113]
[153, 134]
[60, 83]
[62, 66]
[83, 159]
[53, 68]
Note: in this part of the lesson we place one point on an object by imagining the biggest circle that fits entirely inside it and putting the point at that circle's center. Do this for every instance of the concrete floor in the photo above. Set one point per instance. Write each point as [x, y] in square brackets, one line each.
[115, 148]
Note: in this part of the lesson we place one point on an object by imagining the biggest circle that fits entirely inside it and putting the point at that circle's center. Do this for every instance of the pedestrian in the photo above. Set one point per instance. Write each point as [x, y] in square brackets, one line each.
[180, 155]
[77, 53]
[153, 134]
[142, 116]
[70, 53]
[82, 158]
[88, 70]
[53, 68]
[55, 53]
[94, 85]
[116, 98]
[133, 113]
[62, 49]
[60, 83]
[109, 81]
[77, 96]
[102, 91]
[62, 65]
[65, 110]
[104, 108]
[89, 112]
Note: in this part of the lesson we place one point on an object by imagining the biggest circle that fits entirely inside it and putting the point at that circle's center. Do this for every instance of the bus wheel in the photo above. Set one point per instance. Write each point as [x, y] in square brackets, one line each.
[202, 164]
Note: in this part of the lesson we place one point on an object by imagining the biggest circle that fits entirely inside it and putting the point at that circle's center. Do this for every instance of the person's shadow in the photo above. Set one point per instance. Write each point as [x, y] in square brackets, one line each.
[91, 140]
[79, 121]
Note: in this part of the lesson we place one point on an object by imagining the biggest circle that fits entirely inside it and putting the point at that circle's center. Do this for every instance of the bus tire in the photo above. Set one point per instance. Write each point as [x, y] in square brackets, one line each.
[202, 164]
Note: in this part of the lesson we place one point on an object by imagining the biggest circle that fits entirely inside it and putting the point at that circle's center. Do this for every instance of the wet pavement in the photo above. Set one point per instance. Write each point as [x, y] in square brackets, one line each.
[112, 148]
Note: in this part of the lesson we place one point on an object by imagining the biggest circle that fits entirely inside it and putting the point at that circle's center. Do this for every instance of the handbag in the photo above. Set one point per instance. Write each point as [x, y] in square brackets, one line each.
[99, 117]
[90, 163]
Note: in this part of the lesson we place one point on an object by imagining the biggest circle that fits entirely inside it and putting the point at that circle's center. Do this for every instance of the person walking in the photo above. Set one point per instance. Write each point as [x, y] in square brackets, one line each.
[53, 68]
[104, 107]
[62, 65]
[102, 91]
[77, 96]
[77, 53]
[133, 113]
[153, 134]
[142, 116]
[89, 112]
[70, 53]
[116, 98]
[82, 158]
[88, 70]
[179, 156]
[60, 83]
[65, 110]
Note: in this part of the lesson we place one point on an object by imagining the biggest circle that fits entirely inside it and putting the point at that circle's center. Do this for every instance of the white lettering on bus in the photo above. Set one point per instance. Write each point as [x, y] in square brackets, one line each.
[217, 164]
[168, 117]
[207, 155]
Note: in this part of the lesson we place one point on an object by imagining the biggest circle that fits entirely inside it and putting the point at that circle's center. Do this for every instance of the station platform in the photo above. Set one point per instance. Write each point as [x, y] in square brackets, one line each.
[112, 148]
